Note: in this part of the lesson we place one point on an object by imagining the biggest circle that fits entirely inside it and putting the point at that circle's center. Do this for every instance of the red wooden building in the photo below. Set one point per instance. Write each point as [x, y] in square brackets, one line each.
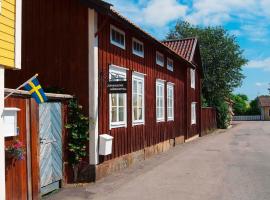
[80, 46]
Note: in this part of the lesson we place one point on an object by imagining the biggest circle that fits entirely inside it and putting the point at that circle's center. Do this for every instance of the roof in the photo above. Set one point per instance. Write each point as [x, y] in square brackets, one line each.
[106, 8]
[264, 101]
[184, 47]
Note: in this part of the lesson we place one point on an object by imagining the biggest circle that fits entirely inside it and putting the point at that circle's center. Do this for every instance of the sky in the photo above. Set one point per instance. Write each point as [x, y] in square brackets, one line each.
[248, 20]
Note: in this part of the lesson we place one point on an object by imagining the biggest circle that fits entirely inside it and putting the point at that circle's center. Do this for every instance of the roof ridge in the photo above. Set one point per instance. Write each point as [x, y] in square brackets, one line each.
[174, 40]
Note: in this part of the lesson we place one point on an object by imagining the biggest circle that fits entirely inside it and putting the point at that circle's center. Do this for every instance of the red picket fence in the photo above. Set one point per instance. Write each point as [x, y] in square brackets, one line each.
[208, 120]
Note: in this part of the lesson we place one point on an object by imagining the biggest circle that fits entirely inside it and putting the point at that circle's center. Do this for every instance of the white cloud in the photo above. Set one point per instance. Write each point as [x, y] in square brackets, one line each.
[235, 32]
[216, 12]
[153, 13]
[260, 84]
[160, 13]
[263, 64]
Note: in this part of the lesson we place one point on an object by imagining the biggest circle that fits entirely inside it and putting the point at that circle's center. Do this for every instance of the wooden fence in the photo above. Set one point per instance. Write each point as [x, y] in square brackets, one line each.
[208, 120]
[247, 118]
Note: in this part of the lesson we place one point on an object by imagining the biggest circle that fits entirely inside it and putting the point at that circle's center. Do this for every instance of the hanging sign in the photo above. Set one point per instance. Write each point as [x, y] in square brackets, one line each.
[117, 87]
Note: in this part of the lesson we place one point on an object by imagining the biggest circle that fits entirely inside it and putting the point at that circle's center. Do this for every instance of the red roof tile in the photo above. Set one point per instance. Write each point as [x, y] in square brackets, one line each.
[184, 47]
[264, 101]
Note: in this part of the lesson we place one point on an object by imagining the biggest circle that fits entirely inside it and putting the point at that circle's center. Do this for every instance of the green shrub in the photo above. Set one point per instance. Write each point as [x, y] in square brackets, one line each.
[78, 128]
[223, 117]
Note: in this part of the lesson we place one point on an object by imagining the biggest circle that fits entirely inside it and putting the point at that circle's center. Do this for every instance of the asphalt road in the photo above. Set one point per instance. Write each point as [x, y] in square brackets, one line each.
[227, 165]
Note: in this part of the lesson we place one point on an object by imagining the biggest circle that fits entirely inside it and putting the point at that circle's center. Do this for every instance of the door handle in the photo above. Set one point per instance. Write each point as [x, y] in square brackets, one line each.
[41, 140]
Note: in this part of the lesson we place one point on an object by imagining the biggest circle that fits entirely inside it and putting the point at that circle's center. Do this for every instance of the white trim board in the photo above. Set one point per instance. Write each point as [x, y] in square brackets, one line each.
[93, 86]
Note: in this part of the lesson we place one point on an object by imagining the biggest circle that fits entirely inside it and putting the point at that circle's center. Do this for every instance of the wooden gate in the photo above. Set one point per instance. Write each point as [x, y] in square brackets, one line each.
[50, 134]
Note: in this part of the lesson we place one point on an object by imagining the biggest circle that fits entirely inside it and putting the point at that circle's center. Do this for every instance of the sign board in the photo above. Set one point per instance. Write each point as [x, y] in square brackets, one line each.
[117, 87]
[10, 122]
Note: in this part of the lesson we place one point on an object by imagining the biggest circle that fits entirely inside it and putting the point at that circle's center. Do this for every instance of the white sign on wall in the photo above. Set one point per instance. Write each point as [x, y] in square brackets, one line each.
[0, 7]
[10, 122]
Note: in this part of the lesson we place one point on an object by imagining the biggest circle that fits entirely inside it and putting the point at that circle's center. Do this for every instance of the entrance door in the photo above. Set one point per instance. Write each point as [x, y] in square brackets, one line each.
[50, 133]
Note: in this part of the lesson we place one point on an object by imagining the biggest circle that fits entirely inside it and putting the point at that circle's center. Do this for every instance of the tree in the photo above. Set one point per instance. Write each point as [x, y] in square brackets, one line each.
[240, 106]
[222, 60]
[254, 107]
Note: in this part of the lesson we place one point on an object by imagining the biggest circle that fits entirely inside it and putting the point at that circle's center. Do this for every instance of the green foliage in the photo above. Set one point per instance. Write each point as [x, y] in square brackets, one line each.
[78, 127]
[254, 107]
[223, 116]
[222, 60]
[240, 106]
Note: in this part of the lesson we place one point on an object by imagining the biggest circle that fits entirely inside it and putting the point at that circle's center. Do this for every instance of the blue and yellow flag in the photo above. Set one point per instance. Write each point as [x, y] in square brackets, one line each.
[36, 91]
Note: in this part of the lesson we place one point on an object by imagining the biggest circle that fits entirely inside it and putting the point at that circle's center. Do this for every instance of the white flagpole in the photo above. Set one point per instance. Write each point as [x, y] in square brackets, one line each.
[22, 85]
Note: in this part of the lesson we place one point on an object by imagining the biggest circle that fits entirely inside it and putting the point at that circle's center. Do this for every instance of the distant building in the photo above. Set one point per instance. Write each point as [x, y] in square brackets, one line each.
[264, 105]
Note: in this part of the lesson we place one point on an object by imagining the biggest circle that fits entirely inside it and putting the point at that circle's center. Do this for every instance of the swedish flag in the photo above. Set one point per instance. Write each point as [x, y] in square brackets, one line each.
[36, 91]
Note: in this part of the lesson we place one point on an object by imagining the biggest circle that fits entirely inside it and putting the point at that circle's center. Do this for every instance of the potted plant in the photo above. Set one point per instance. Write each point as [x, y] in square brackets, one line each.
[15, 151]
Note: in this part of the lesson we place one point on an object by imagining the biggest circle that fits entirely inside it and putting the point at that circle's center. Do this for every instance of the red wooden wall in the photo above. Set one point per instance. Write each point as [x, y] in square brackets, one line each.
[55, 45]
[130, 139]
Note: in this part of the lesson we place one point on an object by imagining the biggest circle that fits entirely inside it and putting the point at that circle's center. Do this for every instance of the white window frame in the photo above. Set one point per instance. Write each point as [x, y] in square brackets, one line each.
[136, 76]
[193, 113]
[168, 66]
[137, 53]
[160, 83]
[192, 78]
[159, 62]
[112, 27]
[123, 72]
[170, 86]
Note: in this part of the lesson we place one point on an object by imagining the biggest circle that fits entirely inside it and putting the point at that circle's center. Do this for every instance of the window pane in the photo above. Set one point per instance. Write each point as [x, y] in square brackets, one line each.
[114, 114]
[135, 86]
[135, 114]
[121, 99]
[139, 114]
[114, 102]
[139, 101]
[140, 87]
[121, 114]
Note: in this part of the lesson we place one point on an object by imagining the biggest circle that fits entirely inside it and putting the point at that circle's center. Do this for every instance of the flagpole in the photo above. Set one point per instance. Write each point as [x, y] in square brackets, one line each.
[22, 85]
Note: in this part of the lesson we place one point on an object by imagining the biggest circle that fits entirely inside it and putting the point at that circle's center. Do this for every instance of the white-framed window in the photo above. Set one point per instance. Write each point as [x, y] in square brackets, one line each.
[118, 102]
[170, 64]
[160, 101]
[137, 47]
[193, 113]
[192, 78]
[159, 59]
[138, 108]
[170, 101]
[117, 37]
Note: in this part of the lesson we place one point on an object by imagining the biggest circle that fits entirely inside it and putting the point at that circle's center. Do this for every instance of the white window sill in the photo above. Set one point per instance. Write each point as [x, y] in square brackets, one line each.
[112, 126]
[141, 55]
[118, 45]
[160, 120]
[160, 64]
[138, 123]
[170, 120]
